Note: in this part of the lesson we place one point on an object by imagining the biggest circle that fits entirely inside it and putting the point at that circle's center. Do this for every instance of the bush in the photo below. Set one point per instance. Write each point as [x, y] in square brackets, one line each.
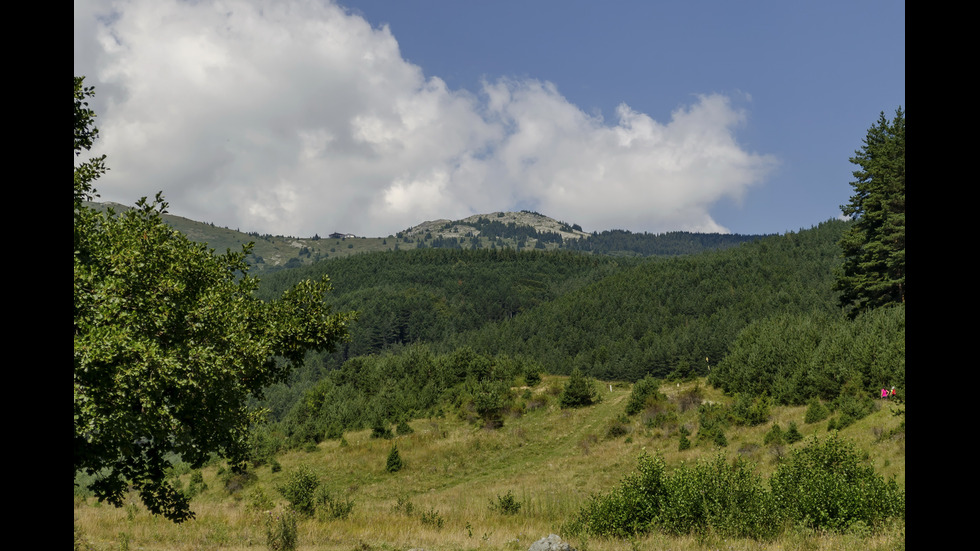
[263, 445]
[256, 500]
[489, 401]
[633, 506]
[713, 420]
[750, 411]
[815, 411]
[380, 429]
[727, 498]
[532, 375]
[774, 436]
[300, 489]
[721, 496]
[853, 407]
[432, 518]
[337, 508]
[826, 485]
[793, 435]
[394, 463]
[645, 389]
[403, 428]
[197, 484]
[617, 427]
[579, 392]
[280, 529]
[506, 504]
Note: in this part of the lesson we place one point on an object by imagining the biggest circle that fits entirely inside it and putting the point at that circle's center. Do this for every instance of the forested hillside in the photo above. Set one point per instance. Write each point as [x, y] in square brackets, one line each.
[619, 319]
[672, 315]
[430, 295]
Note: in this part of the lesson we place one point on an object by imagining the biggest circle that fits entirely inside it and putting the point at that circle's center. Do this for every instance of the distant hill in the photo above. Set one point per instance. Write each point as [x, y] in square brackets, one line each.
[497, 230]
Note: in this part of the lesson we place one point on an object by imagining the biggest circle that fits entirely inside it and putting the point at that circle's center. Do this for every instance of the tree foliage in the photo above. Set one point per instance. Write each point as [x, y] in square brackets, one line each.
[85, 136]
[169, 343]
[873, 273]
[794, 358]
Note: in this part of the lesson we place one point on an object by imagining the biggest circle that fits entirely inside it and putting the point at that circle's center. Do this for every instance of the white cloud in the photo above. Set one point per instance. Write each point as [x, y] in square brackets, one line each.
[297, 117]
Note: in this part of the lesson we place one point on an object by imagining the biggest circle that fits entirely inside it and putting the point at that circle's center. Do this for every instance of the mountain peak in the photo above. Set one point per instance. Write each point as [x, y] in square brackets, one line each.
[478, 222]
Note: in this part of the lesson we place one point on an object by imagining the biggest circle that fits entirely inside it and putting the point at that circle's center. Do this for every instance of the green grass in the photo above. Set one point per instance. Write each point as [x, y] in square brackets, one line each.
[551, 459]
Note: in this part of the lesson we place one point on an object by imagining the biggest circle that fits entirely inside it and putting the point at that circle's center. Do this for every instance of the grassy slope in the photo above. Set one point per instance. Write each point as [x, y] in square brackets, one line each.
[551, 459]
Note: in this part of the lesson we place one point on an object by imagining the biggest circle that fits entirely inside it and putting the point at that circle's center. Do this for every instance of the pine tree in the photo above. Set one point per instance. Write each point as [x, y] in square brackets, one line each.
[394, 463]
[578, 392]
[873, 273]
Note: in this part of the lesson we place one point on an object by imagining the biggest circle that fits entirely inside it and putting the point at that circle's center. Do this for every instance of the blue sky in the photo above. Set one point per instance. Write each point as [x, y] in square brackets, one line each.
[369, 116]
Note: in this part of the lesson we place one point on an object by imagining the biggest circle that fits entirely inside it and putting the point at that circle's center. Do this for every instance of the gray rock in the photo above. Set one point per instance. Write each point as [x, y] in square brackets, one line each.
[550, 543]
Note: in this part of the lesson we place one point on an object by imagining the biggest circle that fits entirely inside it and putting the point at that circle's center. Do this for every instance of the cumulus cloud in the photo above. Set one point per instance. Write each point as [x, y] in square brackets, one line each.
[297, 117]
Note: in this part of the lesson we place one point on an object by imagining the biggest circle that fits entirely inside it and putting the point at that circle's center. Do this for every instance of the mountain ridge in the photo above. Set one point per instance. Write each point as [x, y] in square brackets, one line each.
[501, 229]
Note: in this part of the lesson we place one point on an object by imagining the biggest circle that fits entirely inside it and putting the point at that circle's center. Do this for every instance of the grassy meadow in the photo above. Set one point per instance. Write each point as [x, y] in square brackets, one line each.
[550, 460]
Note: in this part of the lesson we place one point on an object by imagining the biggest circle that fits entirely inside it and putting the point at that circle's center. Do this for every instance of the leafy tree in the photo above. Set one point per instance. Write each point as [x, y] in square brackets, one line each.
[169, 342]
[874, 247]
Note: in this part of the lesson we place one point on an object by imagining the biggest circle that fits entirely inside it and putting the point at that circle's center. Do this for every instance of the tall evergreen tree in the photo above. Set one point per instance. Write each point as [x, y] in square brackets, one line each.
[873, 273]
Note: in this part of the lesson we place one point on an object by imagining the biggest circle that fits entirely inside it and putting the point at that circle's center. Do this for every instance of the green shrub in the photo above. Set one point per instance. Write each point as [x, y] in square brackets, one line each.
[335, 430]
[403, 428]
[793, 435]
[506, 504]
[685, 443]
[394, 463]
[256, 500]
[853, 407]
[618, 427]
[380, 429]
[532, 376]
[300, 489]
[826, 485]
[728, 498]
[815, 411]
[579, 392]
[750, 411]
[774, 437]
[197, 484]
[280, 529]
[264, 444]
[633, 506]
[404, 505]
[645, 389]
[713, 420]
[715, 495]
[334, 507]
[489, 402]
[432, 518]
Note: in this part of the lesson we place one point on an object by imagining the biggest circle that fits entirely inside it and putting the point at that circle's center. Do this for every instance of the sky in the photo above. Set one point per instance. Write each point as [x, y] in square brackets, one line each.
[302, 117]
